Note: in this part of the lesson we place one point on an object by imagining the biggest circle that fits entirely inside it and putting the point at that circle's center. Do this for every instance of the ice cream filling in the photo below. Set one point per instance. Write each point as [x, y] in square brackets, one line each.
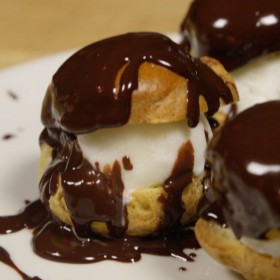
[147, 151]
[256, 82]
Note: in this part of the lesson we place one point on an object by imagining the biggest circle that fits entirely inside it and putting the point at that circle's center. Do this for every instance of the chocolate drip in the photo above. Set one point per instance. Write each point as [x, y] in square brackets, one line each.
[245, 159]
[127, 163]
[58, 243]
[209, 209]
[5, 258]
[83, 95]
[233, 31]
[180, 178]
[90, 195]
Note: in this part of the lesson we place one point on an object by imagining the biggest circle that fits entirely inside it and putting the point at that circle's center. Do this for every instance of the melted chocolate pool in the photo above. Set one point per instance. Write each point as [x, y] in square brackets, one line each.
[57, 242]
[233, 31]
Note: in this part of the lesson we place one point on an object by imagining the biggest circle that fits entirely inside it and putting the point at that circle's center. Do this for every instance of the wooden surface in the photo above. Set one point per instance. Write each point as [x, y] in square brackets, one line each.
[32, 28]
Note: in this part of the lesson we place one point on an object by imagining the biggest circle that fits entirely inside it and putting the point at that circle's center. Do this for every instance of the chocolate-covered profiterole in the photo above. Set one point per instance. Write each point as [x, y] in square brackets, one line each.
[94, 89]
[233, 31]
[84, 97]
[239, 222]
[245, 162]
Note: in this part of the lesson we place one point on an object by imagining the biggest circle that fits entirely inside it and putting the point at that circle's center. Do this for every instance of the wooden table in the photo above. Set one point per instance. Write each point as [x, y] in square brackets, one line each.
[32, 28]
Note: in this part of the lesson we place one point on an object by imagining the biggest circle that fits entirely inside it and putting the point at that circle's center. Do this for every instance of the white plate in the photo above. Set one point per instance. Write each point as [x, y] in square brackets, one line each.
[18, 166]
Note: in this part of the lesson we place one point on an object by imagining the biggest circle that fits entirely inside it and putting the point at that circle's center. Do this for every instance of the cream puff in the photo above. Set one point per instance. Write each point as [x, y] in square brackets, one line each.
[239, 222]
[232, 31]
[125, 135]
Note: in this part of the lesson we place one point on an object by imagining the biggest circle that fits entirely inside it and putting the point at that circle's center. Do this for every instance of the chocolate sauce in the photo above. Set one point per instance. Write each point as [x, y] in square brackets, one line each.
[6, 259]
[58, 243]
[83, 95]
[127, 163]
[181, 177]
[182, 268]
[12, 95]
[245, 160]
[233, 31]
[209, 209]
[8, 136]
[30, 217]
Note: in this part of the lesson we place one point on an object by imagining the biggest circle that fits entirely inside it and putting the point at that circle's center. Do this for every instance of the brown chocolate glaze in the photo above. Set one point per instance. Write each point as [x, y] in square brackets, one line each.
[83, 95]
[6, 259]
[89, 193]
[209, 209]
[233, 31]
[245, 160]
[181, 177]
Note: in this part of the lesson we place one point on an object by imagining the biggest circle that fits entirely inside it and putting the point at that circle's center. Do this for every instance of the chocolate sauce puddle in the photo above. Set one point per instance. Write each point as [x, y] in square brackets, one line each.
[58, 243]
[6, 259]
[30, 217]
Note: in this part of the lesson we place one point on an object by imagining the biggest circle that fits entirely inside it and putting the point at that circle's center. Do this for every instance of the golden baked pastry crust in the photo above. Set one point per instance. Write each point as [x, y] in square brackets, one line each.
[161, 96]
[144, 210]
[221, 244]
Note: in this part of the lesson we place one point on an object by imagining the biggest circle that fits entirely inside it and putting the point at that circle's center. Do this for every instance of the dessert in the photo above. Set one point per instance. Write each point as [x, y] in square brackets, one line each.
[232, 31]
[244, 37]
[118, 157]
[240, 213]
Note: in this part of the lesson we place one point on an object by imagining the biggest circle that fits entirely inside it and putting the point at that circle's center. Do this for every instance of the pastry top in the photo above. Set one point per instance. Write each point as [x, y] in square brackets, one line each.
[233, 31]
[135, 78]
[245, 159]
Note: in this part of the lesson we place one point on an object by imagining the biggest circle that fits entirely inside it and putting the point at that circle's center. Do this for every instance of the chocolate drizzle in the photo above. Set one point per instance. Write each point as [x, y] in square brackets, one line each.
[5, 258]
[127, 163]
[84, 96]
[245, 160]
[90, 194]
[233, 31]
[30, 217]
[180, 178]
